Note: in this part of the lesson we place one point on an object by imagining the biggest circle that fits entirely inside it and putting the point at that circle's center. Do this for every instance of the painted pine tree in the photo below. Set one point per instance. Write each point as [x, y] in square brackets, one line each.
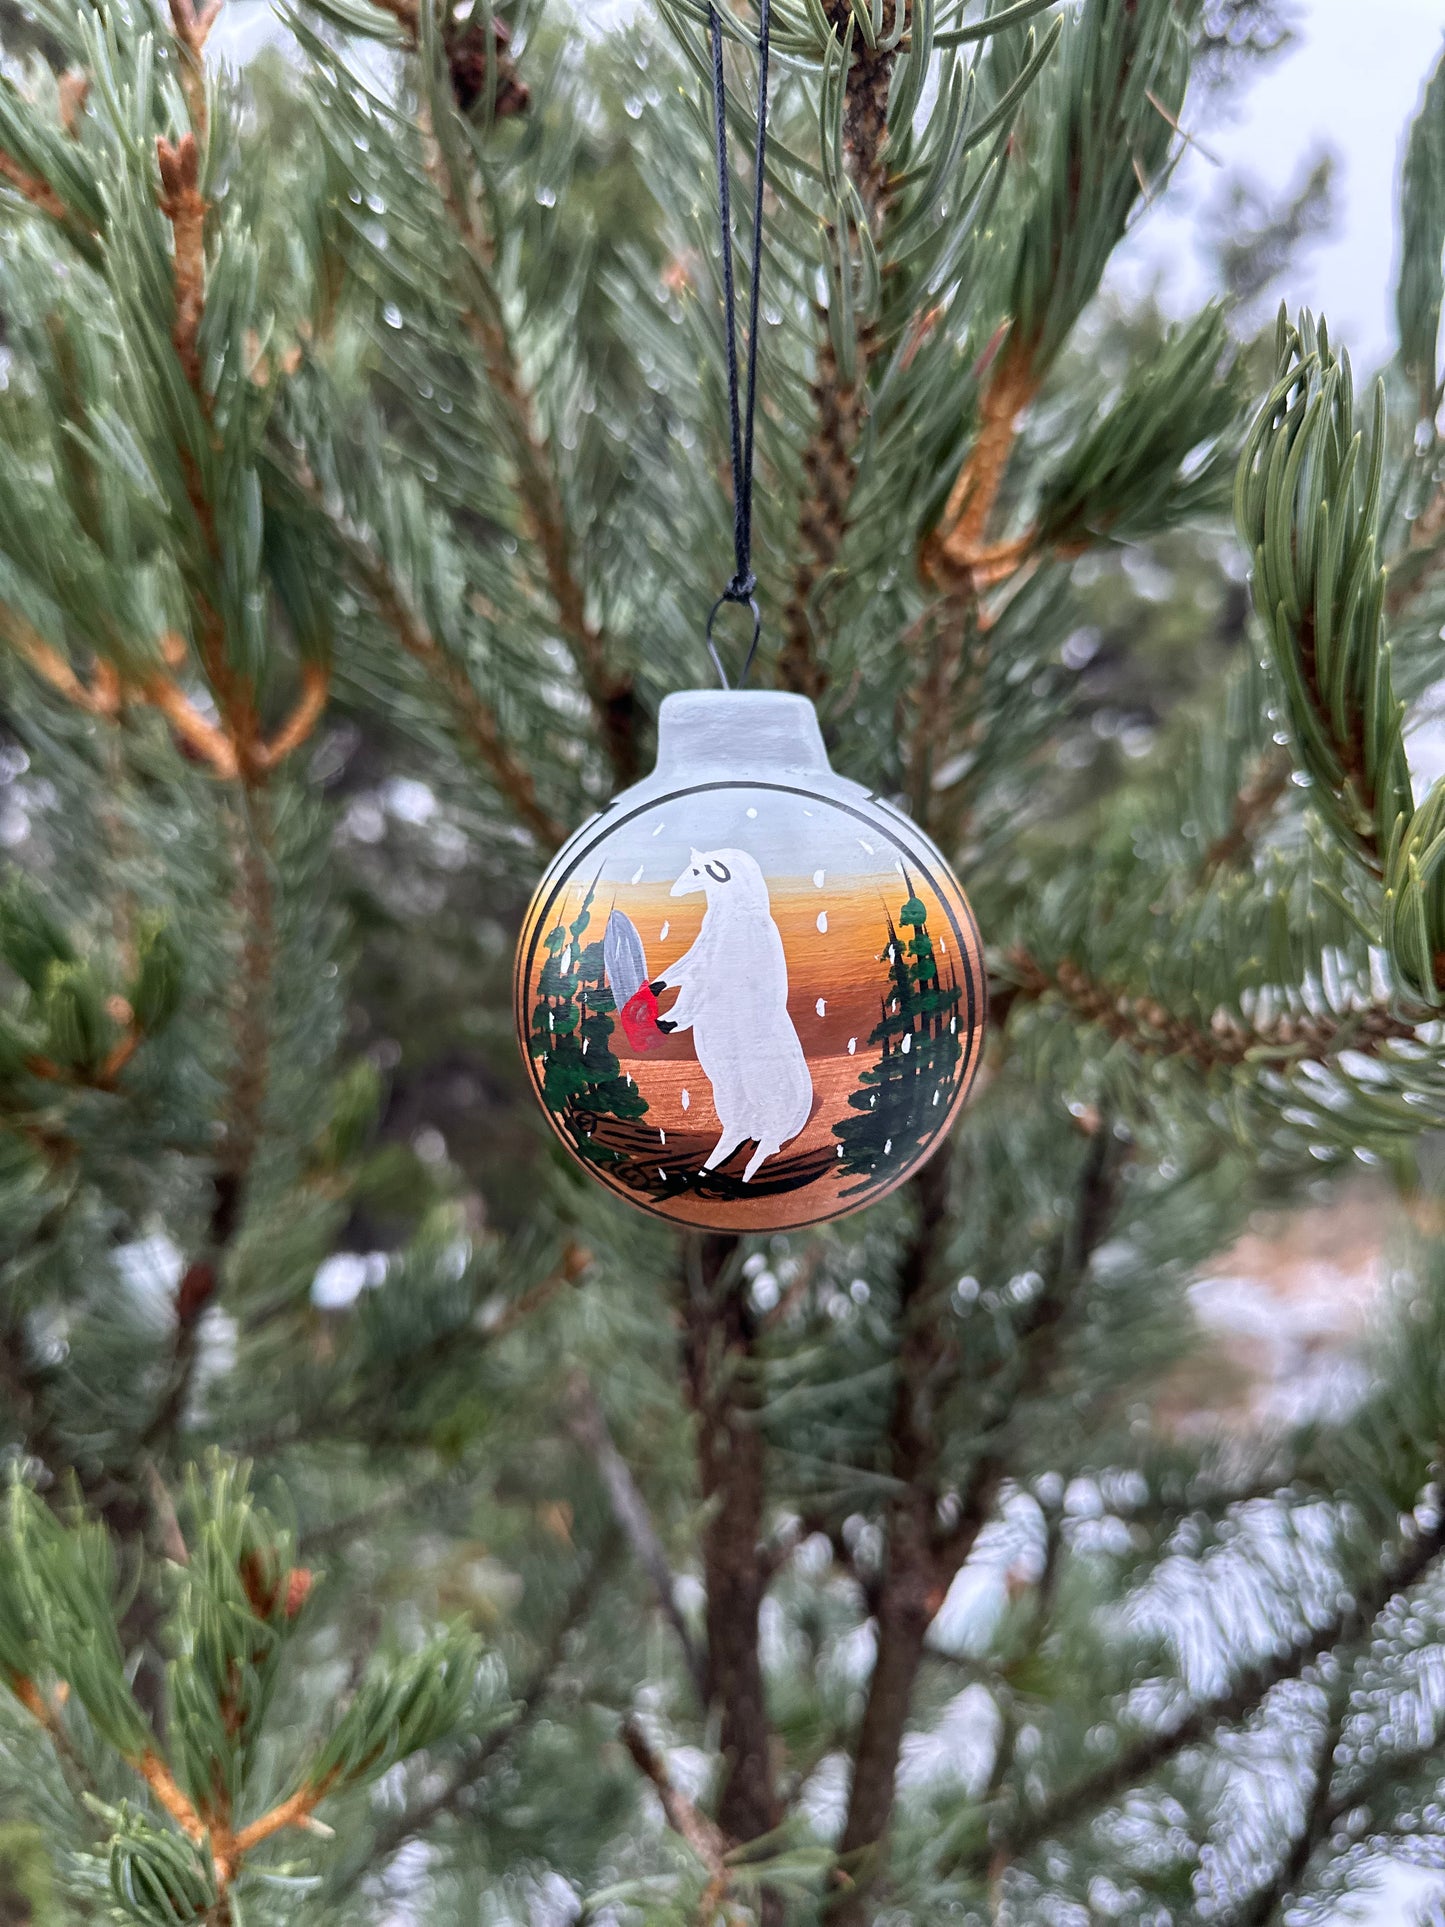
[919, 1052]
[572, 1026]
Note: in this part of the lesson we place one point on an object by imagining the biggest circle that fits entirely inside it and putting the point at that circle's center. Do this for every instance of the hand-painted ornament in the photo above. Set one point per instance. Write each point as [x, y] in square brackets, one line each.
[749, 993]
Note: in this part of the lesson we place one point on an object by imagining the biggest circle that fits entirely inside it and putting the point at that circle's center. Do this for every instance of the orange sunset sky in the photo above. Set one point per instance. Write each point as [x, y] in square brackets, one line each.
[839, 965]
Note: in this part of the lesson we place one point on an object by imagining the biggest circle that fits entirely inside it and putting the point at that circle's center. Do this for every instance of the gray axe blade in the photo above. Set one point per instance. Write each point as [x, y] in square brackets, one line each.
[623, 958]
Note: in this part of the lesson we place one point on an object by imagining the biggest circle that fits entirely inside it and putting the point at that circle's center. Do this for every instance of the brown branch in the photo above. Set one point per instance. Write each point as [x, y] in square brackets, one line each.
[1142, 1022]
[839, 401]
[161, 1781]
[956, 557]
[706, 1839]
[72, 91]
[211, 746]
[951, 645]
[101, 697]
[720, 1376]
[254, 904]
[297, 728]
[571, 1270]
[1141, 1758]
[476, 717]
[1254, 804]
[292, 1812]
[828, 476]
[914, 1581]
[106, 694]
[184, 206]
[587, 1423]
[192, 26]
[38, 192]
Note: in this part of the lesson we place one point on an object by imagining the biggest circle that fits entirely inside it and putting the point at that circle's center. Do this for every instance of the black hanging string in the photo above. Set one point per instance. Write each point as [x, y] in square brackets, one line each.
[743, 582]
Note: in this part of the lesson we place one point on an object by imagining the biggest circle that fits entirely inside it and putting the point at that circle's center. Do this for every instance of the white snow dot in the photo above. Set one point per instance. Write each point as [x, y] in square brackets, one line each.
[942, 948]
[585, 1042]
[907, 1042]
[840, 1150]
[892, 952]
[873, 1102]
[662, 1174]
[823, 921]
[864, 844]
[686, 1099]
[566, 963]
[659, 830]
[637, 873]
[822, 1006]
[752, 812]
[936, 1096]
[818, 879]
[952, 1025]
[662, 933]
[852, 1045]
[887, 1145]
[898, 865]
[627, 1076]
[662, 1134]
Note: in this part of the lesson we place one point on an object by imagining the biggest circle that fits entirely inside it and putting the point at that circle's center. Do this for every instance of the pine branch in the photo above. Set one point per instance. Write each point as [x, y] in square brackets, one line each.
[254, 907]
[923, 1557]
[39, 193]
[469, 1774]
[474, 715]
[839, 397]
[1146, 1755]
[1254, 804]
[956, 556]
[1307, 503]
[610, 692]
[1143, 1023]
[706, 1840]
[192, 25]
[587, 1423]
[1263, 1905]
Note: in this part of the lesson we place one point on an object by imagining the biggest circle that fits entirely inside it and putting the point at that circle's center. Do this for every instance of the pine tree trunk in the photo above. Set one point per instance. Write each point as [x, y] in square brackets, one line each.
[718, 1340]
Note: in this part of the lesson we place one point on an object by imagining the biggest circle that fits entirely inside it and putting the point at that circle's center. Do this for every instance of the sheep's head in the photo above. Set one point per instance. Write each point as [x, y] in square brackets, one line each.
[724, 875]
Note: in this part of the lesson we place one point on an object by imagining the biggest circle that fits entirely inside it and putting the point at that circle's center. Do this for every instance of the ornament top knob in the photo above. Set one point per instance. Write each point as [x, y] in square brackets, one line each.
[740, 731]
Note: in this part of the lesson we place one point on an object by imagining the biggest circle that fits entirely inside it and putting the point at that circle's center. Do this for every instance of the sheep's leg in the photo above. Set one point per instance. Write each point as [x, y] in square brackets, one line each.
[763, 1151]
[724, 1148]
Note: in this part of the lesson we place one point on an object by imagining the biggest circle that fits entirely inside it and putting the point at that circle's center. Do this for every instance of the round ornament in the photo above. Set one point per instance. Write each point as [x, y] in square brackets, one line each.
[749, 994]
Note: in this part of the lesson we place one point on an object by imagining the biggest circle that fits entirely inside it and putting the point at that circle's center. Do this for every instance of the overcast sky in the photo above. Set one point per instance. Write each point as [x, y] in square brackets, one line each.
[1350, 83]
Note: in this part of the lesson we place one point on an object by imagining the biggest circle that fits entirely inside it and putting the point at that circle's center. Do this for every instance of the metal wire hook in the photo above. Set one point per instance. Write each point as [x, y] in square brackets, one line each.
[751, 601]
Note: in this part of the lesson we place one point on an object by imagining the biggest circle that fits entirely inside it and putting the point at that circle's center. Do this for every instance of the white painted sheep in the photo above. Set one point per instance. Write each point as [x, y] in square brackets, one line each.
[732, 989]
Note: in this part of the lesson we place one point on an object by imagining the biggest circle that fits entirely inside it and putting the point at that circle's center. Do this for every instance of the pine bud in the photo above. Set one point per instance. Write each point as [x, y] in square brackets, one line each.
[298, 1590]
